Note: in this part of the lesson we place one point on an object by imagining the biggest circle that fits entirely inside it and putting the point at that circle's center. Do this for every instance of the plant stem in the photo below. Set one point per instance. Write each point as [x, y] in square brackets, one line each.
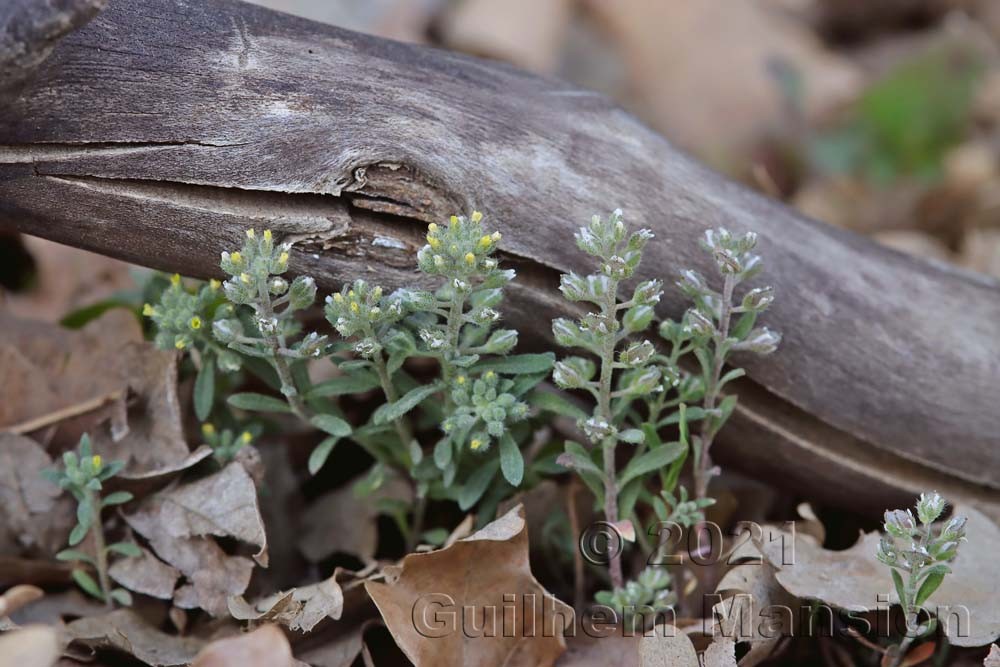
[277, 344]
[405, 435]
[454, 325]
[100, 547]
[710, 426]
[608, 444]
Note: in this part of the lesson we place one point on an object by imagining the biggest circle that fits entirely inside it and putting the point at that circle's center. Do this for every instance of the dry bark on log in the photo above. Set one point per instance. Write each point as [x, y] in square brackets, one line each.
[161, 130]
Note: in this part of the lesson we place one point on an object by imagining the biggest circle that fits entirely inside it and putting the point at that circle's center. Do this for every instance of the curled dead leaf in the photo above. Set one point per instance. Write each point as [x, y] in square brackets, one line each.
[299, 609]
[751, 609]
[18, 596]
[447, 607]
[33, 517]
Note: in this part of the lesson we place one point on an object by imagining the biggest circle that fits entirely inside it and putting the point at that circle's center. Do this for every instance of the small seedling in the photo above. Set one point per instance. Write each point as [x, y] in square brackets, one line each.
[83, 474]
[225, 444]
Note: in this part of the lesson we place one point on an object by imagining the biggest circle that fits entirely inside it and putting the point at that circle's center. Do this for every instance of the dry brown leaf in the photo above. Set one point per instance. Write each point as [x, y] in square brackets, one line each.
[77, 380]
[33, 646]
[266, 646]
[126, 631]
[33, 517]
[342, 652]
[223, 504]
[584, 650]
[146, 574]
[720, 653]
[754, 588]
[341, 522]
[854, 578]
[993, 659]
[477, 572]
[54, 608]
[299, 609]
[667, 647]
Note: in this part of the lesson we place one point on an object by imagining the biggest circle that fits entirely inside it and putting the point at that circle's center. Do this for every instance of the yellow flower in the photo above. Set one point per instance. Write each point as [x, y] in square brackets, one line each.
[246, 437]
[236, 257]
[377, 292]
[245, 278]
[267, 235]
[496, 237]
[195, 323]
[214, 284]
[180, 344]
[476, 216]
[470, 258]
[96, 460]
[251, 233]
[355, 307]
[175, 279]
[148, 310]
[490, 375]
[453, 219]
[433, 242]
[350, 294]
[476, 444]
[485, 242]
[460, 379]
[432, 227]
[338, 297]
[283, 258]
[207, 429]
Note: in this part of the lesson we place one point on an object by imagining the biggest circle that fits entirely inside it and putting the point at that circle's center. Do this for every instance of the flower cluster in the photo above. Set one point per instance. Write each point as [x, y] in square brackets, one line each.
[462, 252]
[602, 332]
[184, 320]
[913, 547]
[225, 444]
[483, 408]
[256, 280]
[361, 311]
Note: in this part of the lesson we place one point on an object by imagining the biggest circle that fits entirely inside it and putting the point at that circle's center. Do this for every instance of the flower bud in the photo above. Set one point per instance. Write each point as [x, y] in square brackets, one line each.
[277, 286]
[929, 507]
[637, 354]
[501, 341]
[899, 523]
[573, 372]
[698, 324]
[760, 341]
[758, 299]
[302, 293]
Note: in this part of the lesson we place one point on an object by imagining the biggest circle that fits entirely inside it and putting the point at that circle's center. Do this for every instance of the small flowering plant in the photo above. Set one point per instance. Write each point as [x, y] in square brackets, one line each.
[626, 371]
[83, 474]
[718, 324]
[225, 444]
[918, 556]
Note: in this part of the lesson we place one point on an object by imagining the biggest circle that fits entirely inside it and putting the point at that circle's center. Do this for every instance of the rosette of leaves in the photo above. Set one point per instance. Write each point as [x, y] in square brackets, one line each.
[719, 324]
[83, 474]
[917, 556]
[624, 374]
[642, 599]
[184, 320]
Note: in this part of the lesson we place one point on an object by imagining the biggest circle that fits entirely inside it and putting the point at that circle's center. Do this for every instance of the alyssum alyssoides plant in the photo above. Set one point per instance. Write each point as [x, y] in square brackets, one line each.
[454, 325]
[918, 558]
[83, 474]
[623, 374]
[719, 324]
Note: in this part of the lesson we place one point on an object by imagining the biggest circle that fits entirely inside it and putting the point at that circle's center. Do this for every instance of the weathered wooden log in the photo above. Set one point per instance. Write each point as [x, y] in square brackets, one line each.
[162, 129]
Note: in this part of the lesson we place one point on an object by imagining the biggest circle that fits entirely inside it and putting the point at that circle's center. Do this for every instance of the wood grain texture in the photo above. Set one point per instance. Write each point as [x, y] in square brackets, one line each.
[161, 129]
